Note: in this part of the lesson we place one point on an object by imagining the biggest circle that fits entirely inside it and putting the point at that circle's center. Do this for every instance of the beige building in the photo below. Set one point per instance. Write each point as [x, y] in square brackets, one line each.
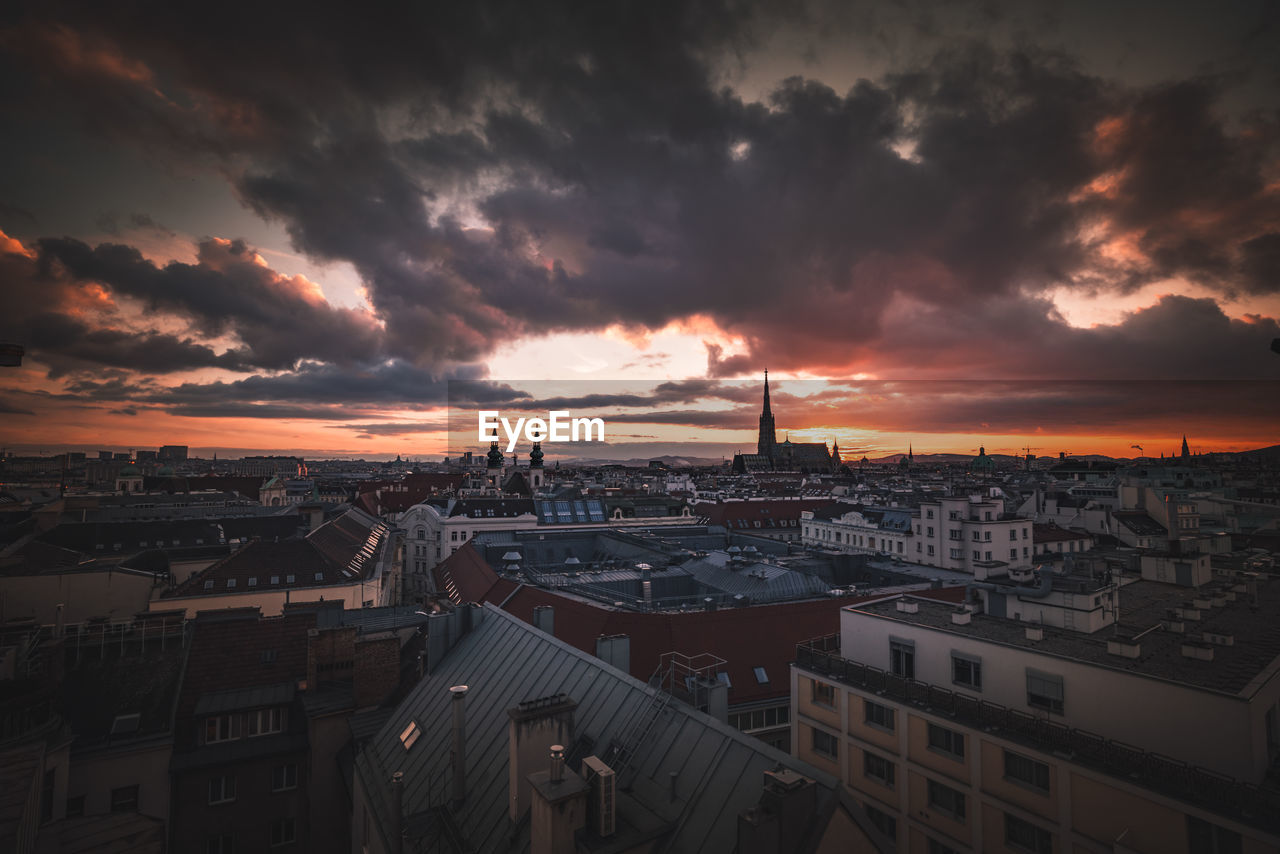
[971, 534]
[958, 730]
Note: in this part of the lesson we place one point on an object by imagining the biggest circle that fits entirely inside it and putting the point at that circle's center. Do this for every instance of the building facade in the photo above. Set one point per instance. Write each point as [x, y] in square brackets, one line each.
[961, 731]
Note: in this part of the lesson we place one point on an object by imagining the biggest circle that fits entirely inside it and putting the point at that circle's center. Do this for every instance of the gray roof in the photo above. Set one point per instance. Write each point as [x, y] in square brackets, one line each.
[505, 661]
[1234, 670]
[247, 698]
[763, 582]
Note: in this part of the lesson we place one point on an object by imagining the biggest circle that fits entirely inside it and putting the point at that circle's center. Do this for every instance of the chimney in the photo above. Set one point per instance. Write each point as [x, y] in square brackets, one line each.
[559, 809]
[459, 693]
[780, 823]
[557, 763]
[544, 619]
[397, 812]
[534, 727]
[376, 667]
[615, 650]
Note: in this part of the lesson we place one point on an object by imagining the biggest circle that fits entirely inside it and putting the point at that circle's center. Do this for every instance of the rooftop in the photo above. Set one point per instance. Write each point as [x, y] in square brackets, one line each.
[1147, 608]
[716, 771]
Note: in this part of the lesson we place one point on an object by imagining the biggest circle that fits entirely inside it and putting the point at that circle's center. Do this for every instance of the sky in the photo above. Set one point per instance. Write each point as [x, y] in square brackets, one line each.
[290, 228]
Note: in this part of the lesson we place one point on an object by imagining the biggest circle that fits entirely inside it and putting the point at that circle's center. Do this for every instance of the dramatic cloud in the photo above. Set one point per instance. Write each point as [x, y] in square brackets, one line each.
[494, 172]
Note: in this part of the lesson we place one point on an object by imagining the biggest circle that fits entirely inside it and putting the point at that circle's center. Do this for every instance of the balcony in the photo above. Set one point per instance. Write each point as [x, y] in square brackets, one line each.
[1254, 805]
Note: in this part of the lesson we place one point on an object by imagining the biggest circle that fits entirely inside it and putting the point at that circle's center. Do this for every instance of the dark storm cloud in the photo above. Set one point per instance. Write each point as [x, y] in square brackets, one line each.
[9, 409]
[67, 344]
[279, 320]
[392, 428]
[231, 409]
[498, 170]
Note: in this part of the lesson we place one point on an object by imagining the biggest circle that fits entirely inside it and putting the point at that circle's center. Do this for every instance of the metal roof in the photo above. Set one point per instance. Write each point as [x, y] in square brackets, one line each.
[718, 770]
[763, 582]
[248, 698]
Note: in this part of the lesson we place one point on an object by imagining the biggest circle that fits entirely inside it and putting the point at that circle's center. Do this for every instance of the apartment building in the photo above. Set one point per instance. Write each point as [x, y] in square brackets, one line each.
[971, 534]
[859, 530]
[1076, 714]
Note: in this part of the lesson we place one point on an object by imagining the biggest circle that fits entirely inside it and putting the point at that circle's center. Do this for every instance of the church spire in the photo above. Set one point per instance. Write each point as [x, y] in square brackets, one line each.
[1186, 451]
[768, 436]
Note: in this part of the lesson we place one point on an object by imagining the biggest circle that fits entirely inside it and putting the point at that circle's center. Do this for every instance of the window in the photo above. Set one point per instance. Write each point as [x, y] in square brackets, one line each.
[1207, 838]
[1044, 691]
[222, 790]
[220, 844]
[885, 823]
[930, 550]
[988, 555]
[902, 658]
[410, 734]
[986, 536]
[1013, 554]
[284, 777]
[878, 715]
[124, 799]
[977, 555]
[275, 579]
[253, 582]
[946, 800]
[956, 554]
[290, 578]
[283, 833]
[319, 576]
[955, 535]
[931, 530]
[1013, 535]
[946, 741]
[208, 585]
[928, 514]
[877, 768]
[231, 583]
[824, 694]
[265, 721]
[966, 670]
[977, 536]
[75, 806]
[1024, 836]
[761, 677]
[221, 728]
[825, 743]
[1027, 771]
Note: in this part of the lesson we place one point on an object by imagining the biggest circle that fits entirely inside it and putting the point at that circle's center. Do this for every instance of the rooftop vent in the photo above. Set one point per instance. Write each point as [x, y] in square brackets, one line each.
[1200, 651]
[908, 607]
[1124, 647]
[1035, 633]
[961, 618]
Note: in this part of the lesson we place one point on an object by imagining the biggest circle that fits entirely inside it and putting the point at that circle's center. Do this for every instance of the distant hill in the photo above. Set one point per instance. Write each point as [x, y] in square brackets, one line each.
[642, 462]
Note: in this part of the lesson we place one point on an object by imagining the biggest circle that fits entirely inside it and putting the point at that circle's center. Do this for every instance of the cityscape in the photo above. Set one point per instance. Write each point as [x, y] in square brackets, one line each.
[694, 427]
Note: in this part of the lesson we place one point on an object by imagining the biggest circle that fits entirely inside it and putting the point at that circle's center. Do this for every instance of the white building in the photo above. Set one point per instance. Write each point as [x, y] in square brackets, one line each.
[971, 534]
[859, 530]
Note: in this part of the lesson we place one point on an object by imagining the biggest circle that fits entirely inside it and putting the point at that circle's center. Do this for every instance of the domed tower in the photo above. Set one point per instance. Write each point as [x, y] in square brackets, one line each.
[494, 474]
[536, 477]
